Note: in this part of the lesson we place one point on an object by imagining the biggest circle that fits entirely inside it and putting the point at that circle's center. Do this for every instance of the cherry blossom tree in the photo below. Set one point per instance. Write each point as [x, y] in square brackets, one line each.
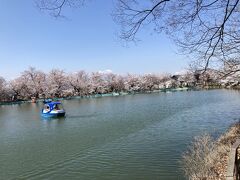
[150, 82]
[4, 91]
[79, 81]
[113, 82]
[132, 83]
[99, 84]
[36, 81]
[57, 83]
[20, 88]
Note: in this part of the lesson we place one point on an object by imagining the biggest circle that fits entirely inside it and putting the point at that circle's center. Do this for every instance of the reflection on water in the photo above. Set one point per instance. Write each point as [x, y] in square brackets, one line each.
[82, 116]
[49, 119]
[130, 137]
[53, 121]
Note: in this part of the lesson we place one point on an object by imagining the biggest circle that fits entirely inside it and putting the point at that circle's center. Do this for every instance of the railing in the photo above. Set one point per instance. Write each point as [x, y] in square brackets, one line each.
[233, 162]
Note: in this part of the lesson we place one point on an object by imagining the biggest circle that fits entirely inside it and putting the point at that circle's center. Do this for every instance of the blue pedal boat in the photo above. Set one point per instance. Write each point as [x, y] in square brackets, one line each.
[53, 109]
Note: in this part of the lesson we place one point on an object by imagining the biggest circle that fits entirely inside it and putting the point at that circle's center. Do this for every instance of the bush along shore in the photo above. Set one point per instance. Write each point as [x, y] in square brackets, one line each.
[207, 158]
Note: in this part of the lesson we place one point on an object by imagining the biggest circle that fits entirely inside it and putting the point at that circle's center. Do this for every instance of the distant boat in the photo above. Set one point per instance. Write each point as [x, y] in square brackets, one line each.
[115, 94]
[53, 109]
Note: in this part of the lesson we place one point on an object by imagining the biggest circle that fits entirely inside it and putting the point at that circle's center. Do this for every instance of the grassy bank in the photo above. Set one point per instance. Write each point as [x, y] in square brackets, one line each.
[207, 158]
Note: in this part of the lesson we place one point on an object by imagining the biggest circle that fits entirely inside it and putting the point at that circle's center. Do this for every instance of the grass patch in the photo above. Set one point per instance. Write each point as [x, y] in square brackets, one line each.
[206, 158]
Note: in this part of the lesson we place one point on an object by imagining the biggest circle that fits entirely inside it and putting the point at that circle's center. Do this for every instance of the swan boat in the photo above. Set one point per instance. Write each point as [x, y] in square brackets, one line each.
[53, 109]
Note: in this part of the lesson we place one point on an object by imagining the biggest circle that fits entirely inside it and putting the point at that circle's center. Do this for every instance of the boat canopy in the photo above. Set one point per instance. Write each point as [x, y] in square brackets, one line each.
[52, 104]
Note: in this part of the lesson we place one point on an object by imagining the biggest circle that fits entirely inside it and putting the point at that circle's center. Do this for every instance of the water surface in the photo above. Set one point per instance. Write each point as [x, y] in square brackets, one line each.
[128, 137]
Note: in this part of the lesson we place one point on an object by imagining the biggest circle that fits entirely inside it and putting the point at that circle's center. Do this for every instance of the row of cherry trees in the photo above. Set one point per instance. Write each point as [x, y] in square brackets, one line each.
[57, 83]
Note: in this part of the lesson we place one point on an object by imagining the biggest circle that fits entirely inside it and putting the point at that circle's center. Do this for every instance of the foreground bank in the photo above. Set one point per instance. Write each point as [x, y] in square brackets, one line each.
[207, 158]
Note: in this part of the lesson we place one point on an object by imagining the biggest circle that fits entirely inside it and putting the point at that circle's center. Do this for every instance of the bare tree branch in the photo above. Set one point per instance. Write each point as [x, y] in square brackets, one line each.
[209, 30]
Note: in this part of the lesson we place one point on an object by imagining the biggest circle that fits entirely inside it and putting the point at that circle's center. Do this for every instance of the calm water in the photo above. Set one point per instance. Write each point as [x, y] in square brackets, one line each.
[129, 137]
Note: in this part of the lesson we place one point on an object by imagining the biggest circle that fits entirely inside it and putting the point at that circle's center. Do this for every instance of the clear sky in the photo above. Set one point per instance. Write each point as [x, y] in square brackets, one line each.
[87, 40]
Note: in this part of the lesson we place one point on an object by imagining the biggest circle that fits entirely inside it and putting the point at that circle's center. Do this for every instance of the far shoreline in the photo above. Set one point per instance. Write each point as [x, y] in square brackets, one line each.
[112, 94]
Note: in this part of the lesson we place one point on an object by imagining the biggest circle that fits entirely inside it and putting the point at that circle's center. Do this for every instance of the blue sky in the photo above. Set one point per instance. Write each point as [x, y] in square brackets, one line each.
[87, 40]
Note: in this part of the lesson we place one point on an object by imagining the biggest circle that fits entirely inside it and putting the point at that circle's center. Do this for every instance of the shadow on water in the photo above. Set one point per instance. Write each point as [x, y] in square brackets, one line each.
[49, 120]
[82, 116]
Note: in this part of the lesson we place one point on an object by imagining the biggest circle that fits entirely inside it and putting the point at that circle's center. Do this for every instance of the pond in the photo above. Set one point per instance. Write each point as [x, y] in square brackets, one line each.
[127, 137]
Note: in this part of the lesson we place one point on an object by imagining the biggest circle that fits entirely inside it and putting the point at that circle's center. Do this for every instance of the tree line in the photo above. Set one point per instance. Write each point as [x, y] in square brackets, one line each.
[57, 83]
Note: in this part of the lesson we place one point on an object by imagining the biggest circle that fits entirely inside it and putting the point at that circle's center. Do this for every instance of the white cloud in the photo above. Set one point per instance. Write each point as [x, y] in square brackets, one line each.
[107, 71]
[182, 72]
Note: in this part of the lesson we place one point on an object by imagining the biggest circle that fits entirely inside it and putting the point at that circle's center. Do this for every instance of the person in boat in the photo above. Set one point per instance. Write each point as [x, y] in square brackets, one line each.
[56, 107]
[46, 108]
[53, 109]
